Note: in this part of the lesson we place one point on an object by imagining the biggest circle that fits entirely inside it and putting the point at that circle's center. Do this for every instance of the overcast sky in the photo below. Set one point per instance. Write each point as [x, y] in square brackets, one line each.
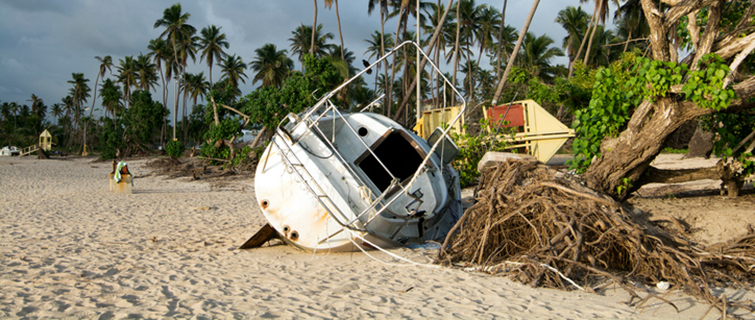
[42, 42]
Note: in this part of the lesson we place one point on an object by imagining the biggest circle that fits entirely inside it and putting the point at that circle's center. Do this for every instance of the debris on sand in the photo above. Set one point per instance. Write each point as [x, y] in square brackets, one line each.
[543, 228]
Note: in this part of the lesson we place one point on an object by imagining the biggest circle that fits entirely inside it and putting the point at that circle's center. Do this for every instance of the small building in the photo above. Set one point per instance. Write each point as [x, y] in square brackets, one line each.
[45, 140]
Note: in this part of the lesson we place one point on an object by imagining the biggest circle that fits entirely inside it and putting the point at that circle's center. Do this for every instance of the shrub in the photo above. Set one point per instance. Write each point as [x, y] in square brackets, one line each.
[175, 148]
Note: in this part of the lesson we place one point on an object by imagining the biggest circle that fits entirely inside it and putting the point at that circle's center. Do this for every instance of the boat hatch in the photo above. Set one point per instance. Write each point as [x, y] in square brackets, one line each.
[400, 155]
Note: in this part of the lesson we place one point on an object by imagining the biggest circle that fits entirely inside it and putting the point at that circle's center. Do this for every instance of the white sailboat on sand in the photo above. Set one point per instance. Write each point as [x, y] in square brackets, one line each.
[334, 180]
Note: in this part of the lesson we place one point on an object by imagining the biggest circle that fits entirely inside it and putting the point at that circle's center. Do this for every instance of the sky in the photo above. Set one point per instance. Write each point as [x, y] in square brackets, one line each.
[42, 42]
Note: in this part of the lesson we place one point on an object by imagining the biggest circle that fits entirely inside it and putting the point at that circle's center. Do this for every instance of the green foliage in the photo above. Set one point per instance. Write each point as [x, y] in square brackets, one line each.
[626, 83]
[473, 147]
[144, 118]
[675, 151]
[624, 185]
[175, 148]
[731, 129]
[704, 86]
[111, 138]
[608, 112]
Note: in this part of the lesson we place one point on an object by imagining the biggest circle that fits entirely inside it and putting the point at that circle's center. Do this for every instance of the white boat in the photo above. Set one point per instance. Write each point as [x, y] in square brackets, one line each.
[10, 151]
[333, 180]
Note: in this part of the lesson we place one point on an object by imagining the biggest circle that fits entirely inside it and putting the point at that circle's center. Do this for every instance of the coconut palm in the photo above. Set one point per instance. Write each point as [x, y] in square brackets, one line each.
[111, 97]
[37, 105]
[376, 48]
[106, 64]
[79, 92]
[160, 52]
[57, 111]
[145, 72]
[301, 42]
[329, 4]
[631, 21]
[312, 49]
[489, 22]
[232, 68]
[177, 30]
[127, 77]
[271, 66]
[211, 42]
[574, 21]
[537, 54]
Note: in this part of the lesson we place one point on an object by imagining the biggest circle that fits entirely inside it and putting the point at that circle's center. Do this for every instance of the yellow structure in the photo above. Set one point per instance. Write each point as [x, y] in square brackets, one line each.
[45, 140]
[432, 119]
[538, 132]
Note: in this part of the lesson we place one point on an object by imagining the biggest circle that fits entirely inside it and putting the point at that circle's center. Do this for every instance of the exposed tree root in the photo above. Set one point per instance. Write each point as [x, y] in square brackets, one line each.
[539, 227]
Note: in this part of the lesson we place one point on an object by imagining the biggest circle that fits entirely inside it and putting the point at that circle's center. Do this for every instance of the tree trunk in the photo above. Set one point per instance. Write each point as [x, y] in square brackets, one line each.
[582, 44]
[314, 29]
[592, 34]
[340, 35]
[456, 51]
[630, 154]
[501, 47]
[510, 64]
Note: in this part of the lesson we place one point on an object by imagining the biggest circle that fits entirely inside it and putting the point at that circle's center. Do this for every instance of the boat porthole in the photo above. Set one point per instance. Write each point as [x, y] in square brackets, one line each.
[286, 229]
[294, 236]
[362, 131]
[264, 204]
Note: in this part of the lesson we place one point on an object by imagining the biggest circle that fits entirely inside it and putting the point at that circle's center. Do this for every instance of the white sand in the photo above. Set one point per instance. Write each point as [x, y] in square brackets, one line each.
[69, 248]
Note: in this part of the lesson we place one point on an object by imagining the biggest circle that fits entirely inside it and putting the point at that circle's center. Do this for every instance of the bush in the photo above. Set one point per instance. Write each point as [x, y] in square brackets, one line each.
[175, 148]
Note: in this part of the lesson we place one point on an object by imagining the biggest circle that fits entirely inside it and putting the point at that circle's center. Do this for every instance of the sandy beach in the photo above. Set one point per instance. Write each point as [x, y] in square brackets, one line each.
[72, 249]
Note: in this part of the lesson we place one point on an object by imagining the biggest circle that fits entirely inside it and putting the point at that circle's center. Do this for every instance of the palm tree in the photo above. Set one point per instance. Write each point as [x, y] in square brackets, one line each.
[469, 21]
[127, 77]
[146, 74]
[271, 66]
[312, 49]
[383, 17]
[329, 4]
[195, 86]
[574, 21]
[111, 97]
[232, 68]
[36, 104]
[177, 30]
[301, 42]
[160, 52]
[489, 21]
[377, 48]
[79, 92]
[537, 54]
[106, 64]
[211, 42]
[56, 112]
[514, 53]
[631, 19]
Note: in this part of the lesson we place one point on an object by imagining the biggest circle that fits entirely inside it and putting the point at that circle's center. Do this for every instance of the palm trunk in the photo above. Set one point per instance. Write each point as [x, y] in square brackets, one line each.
[340, 35]
[501, 47]
[382, 54]
[456, 52]
[592, 35]
[514, 54]
[389, 94]
[582, 45]
[314, 28]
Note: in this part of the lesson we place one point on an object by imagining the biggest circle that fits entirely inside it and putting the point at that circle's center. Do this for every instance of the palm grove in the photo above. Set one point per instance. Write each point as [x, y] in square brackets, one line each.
[626, 87]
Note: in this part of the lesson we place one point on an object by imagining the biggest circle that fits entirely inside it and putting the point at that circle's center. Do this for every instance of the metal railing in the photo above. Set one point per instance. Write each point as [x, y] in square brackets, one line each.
[326, 108]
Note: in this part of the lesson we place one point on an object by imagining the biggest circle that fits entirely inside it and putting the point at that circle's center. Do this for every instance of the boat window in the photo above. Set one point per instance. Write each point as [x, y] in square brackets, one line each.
[401, 155]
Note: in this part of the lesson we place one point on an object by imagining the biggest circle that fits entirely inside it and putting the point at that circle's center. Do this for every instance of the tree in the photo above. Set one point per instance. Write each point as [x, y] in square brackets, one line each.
[211, 42]
[301, 42]
[146, 74]
[232, 68]
[127, 76]
[111, 98]
[701, 85]
[271, 66]
[56, 111]
[143, 119]
[526, 26]
[106, 64]
[574, 21]
[537, 54]
[177, 30]
[79, 92]
[329, 4]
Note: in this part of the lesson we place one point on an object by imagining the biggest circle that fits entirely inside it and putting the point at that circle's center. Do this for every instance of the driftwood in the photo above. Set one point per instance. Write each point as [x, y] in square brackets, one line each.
[539, 227]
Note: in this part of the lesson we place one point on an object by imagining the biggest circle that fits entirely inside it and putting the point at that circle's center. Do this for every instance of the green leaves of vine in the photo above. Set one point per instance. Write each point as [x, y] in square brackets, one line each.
[622, 86]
